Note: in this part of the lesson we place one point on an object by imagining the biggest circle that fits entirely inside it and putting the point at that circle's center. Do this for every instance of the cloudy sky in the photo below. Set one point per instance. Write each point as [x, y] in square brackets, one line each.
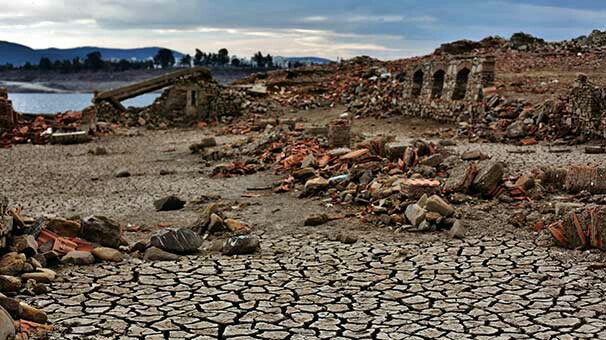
[330, 28]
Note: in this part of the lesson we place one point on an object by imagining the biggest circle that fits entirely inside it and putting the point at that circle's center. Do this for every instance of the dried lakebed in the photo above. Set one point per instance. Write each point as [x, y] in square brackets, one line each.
[499, 282]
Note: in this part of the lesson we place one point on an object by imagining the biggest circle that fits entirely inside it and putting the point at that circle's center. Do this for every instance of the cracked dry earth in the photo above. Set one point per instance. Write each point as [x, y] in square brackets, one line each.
[498, 283]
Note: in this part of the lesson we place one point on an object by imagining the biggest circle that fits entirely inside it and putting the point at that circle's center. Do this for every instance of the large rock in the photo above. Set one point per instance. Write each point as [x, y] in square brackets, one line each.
[180, 241]
[108, 254]
[241, 245]
[9, 284]
[101, 230]
[157, 254]
[436, 204]
[316, 184]
[169, 203]
[488, 177]
[12, 264]
[30, 313]
[78, 257]
[7, 325]
[65, 228]
[415, 214]
[26, 244]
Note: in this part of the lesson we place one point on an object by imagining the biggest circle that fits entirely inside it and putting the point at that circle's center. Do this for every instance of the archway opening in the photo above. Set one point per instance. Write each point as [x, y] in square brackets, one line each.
[460, 89]
[438, 84]
[417, 83]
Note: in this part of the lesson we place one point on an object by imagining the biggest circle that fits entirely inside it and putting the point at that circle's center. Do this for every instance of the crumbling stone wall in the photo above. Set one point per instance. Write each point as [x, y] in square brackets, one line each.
[447, 90]
[8, 116]
[197, 100]
[588, 103]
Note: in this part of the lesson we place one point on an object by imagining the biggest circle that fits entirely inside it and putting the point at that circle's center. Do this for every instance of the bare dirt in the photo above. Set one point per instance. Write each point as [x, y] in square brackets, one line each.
[499, 282]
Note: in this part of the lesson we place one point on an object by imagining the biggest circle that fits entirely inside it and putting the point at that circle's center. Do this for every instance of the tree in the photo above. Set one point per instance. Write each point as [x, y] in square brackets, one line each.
[164, 58]
[76, 64]
[259, 59]
[223, 56]
[269, 61]
[235, 61]
[198, 57]
[93, 61]
[185, 60]
[45, 64]
[27, 66]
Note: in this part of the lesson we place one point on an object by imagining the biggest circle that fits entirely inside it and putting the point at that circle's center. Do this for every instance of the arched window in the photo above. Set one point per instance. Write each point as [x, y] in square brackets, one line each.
[460, 89]
[417, 83]
[438, 84]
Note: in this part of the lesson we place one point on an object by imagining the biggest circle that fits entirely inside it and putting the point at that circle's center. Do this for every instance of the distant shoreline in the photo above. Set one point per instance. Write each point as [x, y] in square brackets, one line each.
[34, 81]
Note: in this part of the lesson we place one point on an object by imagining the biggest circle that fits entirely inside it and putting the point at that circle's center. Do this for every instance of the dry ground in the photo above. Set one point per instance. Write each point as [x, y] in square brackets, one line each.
[499, 282]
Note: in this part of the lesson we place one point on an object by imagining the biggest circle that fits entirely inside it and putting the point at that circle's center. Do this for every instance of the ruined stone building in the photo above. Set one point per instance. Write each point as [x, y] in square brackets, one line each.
[588, 104]
[451, 90]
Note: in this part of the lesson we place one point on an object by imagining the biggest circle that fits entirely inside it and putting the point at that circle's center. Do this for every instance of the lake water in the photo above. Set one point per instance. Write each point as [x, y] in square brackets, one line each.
[60, 102]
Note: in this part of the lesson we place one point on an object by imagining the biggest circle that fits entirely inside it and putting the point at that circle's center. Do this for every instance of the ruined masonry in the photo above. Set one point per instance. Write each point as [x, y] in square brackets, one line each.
[448, 90]
[8, 116]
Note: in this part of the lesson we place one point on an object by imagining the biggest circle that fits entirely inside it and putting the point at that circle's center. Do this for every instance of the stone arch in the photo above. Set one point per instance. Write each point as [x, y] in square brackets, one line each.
[460, 89]
[417, 83]
[437, 88]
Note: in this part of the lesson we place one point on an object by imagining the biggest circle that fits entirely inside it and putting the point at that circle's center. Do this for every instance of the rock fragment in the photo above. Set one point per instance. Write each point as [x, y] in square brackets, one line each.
[101, 230]
[169, 203]
[108, 254]
[77, 257]
[181, 241]
[241, 245]
[157, 254]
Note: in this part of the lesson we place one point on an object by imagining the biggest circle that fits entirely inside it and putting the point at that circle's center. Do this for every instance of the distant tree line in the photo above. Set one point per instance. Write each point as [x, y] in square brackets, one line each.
[164, 58]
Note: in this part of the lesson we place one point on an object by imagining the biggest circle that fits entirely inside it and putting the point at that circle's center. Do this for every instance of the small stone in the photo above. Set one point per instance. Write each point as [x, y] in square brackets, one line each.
[236, 226]
[395, 150]
[43, 275]
[12, 263]
[101, 230]
[157, 254]
[432, 216]
[304, 174]
[316, 185]
[169, 203]
[181, 241]
[415, 214]
[7, 325]
[436, 204]
[12, 306]
[433, 160]
[472, 155]
[77, 257]
[9, 283]
[347, 238]
[458, 230]
[525, 182]
[316, 220]
[122, 173]
[108, 254]
[241, 245]
[65, 228]
[216, 223]
[308, 161]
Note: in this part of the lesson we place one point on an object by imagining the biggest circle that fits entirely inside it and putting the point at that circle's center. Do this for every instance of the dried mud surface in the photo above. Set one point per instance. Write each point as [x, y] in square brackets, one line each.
[499, 282]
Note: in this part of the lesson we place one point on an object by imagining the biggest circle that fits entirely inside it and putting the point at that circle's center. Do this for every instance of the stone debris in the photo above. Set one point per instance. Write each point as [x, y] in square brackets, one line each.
[157, 254]
[181, 241]
[169, 203]
[241, 245]
[101, 230]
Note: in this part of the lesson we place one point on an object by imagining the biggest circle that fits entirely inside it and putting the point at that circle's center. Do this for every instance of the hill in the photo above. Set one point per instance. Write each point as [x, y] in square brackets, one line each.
[18, 55]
